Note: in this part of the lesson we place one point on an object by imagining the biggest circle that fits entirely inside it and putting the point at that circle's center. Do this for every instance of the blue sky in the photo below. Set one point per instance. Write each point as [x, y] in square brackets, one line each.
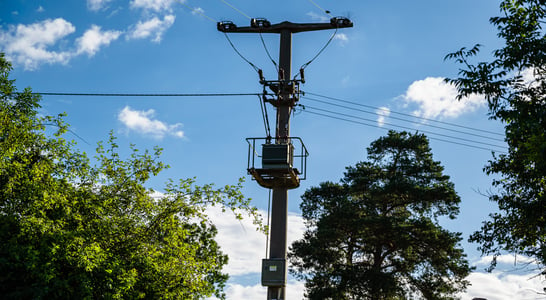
[392, 61]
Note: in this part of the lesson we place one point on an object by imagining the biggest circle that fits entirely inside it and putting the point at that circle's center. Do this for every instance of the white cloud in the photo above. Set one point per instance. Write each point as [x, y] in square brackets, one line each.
[154, 5]
[342, 37]
[244, 245]
[96, 5]
[508, 259]
[499, 286]
[143, 122]
[437, 99]
[531, 78]
[40, 9]
[294, 290]
[491, 286]
[382, 114]
[154, 28]
[91, 41]
[198, 11]
[28, 44]
[315, 16]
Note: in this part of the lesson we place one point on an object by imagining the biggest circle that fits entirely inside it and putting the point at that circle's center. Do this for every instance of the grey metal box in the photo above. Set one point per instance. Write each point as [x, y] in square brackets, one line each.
[277, 156]
[274, 272]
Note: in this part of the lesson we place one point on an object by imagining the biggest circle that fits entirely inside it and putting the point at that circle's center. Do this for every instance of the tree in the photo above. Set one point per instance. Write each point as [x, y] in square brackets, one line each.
[375, 235]
[73, 230]
[514, 84]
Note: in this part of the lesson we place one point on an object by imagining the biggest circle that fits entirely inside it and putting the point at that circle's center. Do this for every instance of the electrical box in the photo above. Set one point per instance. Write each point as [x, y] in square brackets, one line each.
[277, 156]
[274, 272]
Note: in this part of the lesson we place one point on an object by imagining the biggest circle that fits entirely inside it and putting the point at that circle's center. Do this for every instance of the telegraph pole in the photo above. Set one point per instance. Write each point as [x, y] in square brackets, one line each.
[287, 96]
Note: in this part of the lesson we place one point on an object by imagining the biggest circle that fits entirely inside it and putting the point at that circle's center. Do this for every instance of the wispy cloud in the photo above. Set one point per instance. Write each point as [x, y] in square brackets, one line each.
[198, 11]
[153, 28]
[342, 37]
[93, 39]
[154, 5]
[317, 17]
[382, 113]
[30, 45]
[435, 98]
[143, 122]
[96, 5]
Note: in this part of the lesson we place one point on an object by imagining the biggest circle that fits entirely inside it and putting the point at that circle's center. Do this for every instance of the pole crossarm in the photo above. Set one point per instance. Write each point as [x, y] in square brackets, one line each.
[265, 27]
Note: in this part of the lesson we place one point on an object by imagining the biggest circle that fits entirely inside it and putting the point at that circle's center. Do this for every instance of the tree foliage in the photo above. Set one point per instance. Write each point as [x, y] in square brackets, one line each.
[375, 235]
[73, 230]
[514, 84]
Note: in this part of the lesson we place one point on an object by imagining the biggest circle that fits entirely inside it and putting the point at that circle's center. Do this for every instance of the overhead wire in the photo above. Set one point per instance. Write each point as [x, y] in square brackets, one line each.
[265, 117]
[197, 11]
[404, 120]
[261, 36]
[305, 65]
[377, 126]
[70, 131]
[325, 11]
[269, 54]
[262, 105]
[236, 9]
[237, 51]
[233, 46]
[331, 114]
[405, 114]
[146, 95]
[406, 127]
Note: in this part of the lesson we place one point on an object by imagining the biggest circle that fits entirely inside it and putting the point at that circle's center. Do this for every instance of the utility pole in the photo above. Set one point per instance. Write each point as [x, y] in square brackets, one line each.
[274, 268]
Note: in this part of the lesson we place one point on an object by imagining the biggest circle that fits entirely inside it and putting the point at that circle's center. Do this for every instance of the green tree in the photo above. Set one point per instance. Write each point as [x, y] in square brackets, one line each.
[72, 230]
[375, 235]
[514, 84]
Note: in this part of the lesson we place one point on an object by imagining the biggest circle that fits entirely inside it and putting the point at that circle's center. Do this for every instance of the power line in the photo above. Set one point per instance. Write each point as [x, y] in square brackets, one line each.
[268, 54]
[244, 58]
[317, 55]
[197, 11]
[404, 114]
[265, 117]
[404, 127]
[146, 95]
[376, 126]
[200, 12]
[325, 11]
[405, 120]
[236, 9]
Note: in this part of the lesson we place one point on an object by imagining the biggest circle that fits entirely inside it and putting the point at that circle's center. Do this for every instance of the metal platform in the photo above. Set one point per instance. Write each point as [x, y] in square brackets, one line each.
[277, 162]
[270, 178]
